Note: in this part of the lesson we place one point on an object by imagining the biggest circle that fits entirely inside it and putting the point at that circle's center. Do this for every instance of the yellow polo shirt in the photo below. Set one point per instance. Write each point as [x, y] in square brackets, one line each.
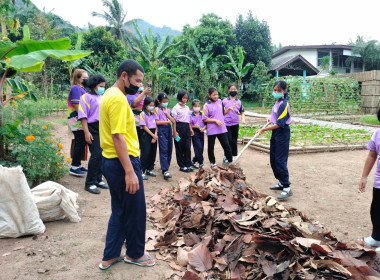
[115, 116]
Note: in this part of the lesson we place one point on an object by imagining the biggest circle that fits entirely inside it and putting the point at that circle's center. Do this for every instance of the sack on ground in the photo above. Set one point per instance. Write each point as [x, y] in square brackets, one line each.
[18, 213]
[55, 202]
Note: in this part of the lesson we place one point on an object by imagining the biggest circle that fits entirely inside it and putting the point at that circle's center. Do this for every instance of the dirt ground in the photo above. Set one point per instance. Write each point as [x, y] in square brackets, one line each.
[324, 185]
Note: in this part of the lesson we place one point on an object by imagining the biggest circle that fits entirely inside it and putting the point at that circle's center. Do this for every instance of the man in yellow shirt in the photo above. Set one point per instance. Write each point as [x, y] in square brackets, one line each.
[121, 167]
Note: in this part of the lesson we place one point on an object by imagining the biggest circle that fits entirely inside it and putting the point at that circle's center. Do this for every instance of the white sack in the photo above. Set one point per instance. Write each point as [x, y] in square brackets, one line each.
[55, 202]
[18, 212]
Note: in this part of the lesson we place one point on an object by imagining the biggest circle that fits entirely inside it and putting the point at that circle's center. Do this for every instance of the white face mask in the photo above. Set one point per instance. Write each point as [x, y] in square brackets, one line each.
[150, 108]
[196, 109]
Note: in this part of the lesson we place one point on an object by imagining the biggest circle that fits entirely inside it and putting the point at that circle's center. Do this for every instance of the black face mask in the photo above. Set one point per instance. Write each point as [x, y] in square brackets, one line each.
[85, 82]
[132, 89]
[233, 93]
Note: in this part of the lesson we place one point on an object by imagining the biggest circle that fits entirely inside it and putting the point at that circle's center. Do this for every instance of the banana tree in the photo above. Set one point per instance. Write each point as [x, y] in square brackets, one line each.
[200, 63]
[238, 70]
[150, 52]
[29, 56]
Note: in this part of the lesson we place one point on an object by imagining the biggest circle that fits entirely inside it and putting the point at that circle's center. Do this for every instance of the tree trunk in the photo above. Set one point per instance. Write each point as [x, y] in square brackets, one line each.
[3, 26]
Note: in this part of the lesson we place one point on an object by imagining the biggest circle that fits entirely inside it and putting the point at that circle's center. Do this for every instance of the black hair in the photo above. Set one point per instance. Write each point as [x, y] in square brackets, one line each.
[232, 85]
[281, 84]
[378, 115]
[130, 66]
[161, 96]
[147, 101]
[95, 80]
[210, 91]
[181, 94]
[195, 101]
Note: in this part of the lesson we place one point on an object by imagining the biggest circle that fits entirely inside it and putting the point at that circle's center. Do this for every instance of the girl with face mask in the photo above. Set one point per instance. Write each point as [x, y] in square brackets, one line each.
[78, 84]
[233, 107]
[198, 138]
[165, 135]
[182, 132]
[88, 114]
[213, 115]
[149, 138]
[279, 142]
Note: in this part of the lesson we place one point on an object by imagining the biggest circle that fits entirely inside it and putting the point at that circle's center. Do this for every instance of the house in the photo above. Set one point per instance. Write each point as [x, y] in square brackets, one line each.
[307, 60]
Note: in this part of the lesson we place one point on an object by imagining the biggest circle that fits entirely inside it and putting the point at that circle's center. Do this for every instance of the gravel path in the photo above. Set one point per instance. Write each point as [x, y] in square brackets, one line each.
[321, 123]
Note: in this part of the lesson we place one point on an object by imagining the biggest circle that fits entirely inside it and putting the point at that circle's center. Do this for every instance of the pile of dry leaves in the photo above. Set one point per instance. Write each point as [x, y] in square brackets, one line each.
[216, 226]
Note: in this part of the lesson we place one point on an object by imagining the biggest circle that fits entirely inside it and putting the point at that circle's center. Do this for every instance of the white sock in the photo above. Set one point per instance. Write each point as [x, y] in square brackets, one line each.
[75, 167]
[286, 189]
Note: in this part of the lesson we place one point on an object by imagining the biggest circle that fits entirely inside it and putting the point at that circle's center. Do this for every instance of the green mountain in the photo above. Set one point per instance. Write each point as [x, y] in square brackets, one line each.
[144, 26]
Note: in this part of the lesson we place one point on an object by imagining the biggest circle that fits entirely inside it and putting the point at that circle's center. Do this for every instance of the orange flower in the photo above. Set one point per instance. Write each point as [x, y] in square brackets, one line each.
[58, 153]
[36, 122]
[52, 141]
[30, 138]
[60, 146]
[61, 105]
[46, 139]
[60, 167]
[50, 134]
[68, 159]
[44, 127]
[58, 163]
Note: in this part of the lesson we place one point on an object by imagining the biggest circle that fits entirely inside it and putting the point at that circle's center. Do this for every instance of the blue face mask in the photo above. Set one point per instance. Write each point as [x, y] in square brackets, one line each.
[140, 89]
[165, 104]
[100, 90]
[277, 95]
[150, 108]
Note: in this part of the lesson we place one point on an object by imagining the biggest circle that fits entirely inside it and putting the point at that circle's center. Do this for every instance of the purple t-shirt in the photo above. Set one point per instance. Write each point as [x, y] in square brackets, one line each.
[195, 120]
[281, 113]
[148, 119]
[214, 110]
[161, 115]
[136, 110]
[374, 145]
[181, 114]
[75, 94]
[232, 118]
[89, 107]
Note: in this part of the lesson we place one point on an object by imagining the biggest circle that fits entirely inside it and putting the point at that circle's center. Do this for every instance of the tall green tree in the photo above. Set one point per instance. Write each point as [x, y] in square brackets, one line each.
[116, 19]
[151, 53]
[239, 71]
[254, 37]
[368, 53]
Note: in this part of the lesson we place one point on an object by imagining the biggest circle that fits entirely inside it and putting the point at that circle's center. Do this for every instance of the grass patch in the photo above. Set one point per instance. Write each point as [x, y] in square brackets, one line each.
[370, 120]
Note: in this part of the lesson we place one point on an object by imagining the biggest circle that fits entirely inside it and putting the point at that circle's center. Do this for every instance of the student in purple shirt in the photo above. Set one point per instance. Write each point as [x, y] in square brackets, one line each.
[182, 132]
[78, 83]
[198, 138]
[165, 134]
[213, 115]
[88, 114]
[373, 156]
[279, 142]
[148, 138]
[232, 108]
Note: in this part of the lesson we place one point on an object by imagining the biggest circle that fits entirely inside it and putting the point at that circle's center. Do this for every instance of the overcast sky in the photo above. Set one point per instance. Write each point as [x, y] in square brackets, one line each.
[291, 22]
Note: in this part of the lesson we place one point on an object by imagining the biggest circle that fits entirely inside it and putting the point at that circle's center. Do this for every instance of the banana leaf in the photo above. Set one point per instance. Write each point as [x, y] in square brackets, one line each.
[28, 46]
[33, 62]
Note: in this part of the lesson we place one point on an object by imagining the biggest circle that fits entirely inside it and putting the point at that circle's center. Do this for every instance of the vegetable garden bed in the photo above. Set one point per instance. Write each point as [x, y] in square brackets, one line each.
[311, 138]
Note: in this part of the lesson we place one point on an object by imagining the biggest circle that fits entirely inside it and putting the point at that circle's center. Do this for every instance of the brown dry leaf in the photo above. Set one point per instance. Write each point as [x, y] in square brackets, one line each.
[156, 198]
[191, 239]
[151, 234]
[306, 242]
[184, 183]
[150, 246]
[182, 257]
[332, 265]
[269, 223]
[175, 266]
[200, 258]
[190, 276]
[271, 201]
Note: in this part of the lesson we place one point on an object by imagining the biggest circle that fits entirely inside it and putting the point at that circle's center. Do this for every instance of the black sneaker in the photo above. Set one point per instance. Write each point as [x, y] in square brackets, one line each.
[77, 172]
[225, 161]
[277, 187]
[167, 175]
[150, 173]
[201, 166]
[191, 169]
[83, 169]
[102, 185]
[144, 177]
[184, 169]
[92, 189]
[194, 164]
[214, 165]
